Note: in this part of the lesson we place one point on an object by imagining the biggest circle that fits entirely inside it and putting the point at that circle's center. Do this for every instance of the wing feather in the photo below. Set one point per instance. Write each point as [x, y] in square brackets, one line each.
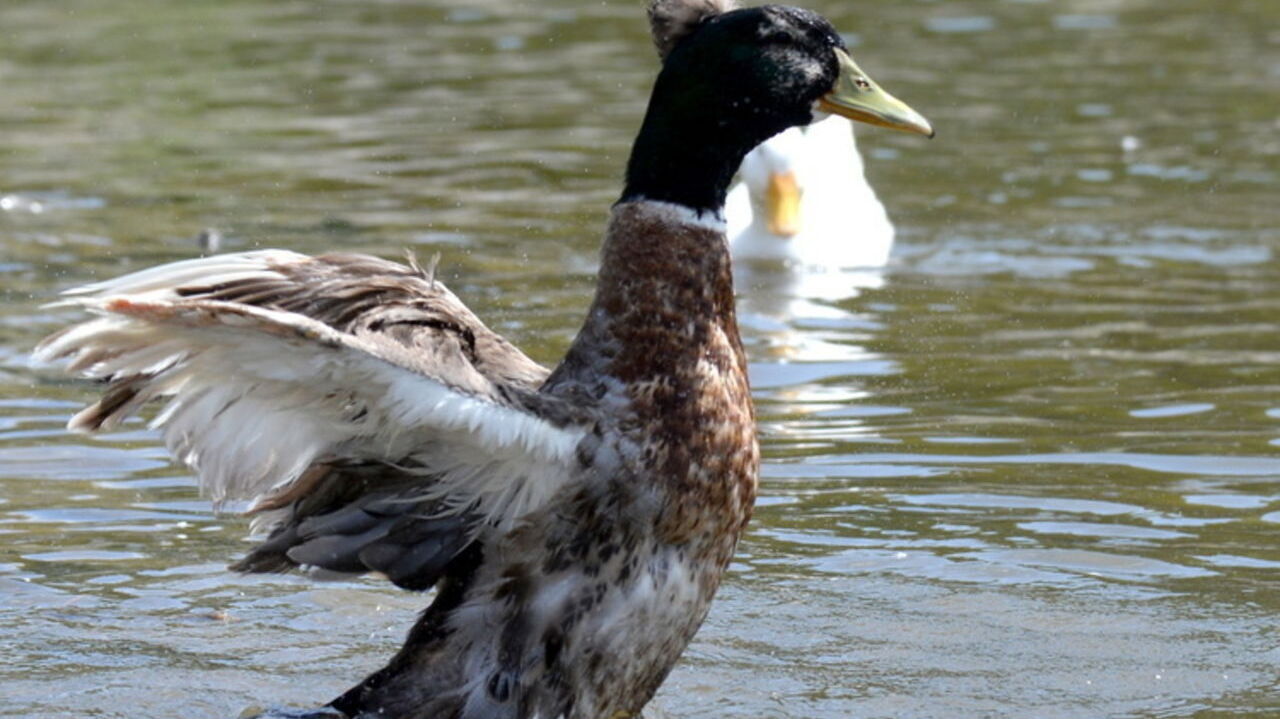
[275, 363]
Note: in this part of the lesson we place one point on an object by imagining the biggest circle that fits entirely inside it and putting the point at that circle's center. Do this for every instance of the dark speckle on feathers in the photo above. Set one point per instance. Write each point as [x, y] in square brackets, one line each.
[500, 686]
[119, 395]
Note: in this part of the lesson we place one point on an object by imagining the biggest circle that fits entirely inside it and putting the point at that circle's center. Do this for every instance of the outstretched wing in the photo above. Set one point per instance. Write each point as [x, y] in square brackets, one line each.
[344, 395]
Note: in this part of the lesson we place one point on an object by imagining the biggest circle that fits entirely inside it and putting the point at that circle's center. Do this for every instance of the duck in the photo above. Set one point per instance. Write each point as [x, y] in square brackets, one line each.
[573, 522]
[803, 198]
[807, 233]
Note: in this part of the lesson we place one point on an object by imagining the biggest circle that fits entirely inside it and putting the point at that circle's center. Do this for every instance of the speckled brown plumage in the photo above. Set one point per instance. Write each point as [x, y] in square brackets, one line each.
[663, 325]
[662, 350]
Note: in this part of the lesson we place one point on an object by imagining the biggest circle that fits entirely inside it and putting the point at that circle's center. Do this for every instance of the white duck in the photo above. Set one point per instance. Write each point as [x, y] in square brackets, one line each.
[803, 198]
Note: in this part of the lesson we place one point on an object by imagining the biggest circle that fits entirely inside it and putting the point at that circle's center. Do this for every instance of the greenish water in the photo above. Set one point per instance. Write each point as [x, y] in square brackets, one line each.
[1030, 471]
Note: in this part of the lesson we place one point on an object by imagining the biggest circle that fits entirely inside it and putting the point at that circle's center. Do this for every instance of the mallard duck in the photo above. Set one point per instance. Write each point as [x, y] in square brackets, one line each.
[803, 197]
[574, 522]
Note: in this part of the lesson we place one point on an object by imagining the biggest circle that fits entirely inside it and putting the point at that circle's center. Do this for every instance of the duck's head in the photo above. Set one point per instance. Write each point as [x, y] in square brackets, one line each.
[732, 78]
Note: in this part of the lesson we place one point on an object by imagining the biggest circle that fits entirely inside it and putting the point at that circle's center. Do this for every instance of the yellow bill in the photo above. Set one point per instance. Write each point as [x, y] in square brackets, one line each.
[858, 97]
[782, 204]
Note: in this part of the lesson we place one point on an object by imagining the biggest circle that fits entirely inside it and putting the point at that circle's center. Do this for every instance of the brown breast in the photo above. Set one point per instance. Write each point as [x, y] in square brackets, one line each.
[664, 318]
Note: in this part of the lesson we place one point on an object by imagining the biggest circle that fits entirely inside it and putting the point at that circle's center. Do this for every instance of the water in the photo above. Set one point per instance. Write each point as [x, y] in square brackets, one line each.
[1031, 471]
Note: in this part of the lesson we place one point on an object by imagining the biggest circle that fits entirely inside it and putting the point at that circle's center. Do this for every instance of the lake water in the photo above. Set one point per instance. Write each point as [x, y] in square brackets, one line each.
[1030, 471]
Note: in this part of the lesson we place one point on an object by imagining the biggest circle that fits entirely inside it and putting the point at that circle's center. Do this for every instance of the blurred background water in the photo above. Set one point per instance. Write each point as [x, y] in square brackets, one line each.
[1031, 470]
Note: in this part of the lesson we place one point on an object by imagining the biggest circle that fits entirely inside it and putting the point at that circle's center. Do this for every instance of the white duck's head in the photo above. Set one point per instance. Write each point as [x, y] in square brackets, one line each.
[803, 197]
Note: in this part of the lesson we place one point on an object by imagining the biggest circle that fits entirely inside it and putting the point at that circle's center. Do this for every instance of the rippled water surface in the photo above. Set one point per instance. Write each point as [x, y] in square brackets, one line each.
[1031, 470]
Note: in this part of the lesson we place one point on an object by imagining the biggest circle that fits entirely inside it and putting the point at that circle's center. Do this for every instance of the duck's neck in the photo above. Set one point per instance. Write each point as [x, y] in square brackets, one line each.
[686, 153]
[664, 296]
[664, 291]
